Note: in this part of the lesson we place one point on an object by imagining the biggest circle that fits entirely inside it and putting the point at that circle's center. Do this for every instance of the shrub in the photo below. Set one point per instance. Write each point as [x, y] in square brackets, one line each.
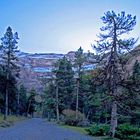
[98, 130]
[84, 123]
[128, 132]
[70, 117]
[124, 119]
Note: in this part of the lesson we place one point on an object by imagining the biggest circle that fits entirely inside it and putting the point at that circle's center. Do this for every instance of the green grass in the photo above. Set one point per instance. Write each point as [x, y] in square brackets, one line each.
[79, 129]
[107, 138]
[10, 120]
[84, 132]
[15, 118]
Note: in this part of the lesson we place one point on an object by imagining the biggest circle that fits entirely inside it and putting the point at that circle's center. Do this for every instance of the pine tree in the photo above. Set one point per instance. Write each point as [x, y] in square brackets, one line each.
[31, 102]
[22, 107]
[9, 59]
[111, 46]
[64, 84]
[79, 60]
[50, 98]
[12, 91]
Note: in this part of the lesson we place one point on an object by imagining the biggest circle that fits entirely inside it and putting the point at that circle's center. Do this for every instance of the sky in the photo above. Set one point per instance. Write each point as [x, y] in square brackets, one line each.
[60, 26]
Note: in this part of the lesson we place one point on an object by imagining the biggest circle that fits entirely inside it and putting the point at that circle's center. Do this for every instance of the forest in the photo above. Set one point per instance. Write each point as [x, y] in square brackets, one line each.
[105, 101]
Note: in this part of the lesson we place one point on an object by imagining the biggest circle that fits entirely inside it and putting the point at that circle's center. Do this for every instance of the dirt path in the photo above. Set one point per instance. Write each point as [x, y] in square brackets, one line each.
[37, 129]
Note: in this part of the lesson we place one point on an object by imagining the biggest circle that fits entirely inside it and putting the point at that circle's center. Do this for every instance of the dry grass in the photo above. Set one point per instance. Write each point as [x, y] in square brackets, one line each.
[10, 120]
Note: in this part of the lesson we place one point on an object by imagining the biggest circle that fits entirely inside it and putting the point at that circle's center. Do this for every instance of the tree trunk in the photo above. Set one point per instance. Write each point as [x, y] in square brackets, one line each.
[28, 107]
[18, 104]
[42, 108]
[77, 99]
[6, 94]
[7, 84]
[6, 104]
[88, 114]
[113, 124]
[57, 104]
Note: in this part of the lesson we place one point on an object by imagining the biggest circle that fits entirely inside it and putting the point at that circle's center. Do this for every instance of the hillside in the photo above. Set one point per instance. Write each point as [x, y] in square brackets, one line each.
[35, 67]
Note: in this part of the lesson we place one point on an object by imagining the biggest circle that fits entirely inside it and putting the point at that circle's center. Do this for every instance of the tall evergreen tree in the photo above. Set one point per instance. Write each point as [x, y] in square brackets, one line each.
[31, 102]
[64, 84]
[22, 105]
[2, 88]
[9, 59]
[12, 91]
[50, 101]
[111, 45]
[79, 60]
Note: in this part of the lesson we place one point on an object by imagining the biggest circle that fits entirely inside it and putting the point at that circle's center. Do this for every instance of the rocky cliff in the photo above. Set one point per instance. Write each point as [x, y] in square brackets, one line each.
[36, 67]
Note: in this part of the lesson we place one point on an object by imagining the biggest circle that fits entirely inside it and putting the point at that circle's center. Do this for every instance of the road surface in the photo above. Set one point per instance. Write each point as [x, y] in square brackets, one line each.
[37, 129]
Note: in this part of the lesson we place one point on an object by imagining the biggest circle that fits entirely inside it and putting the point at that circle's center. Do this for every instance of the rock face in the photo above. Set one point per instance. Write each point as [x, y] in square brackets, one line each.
[36, 69]
[132, 57]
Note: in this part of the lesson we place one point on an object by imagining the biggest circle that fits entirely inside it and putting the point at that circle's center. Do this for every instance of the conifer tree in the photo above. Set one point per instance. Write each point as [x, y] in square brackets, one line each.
[9, 59]
[79, 60]
[111, 46]
[64, 84]
[31, 102]
[22, 105]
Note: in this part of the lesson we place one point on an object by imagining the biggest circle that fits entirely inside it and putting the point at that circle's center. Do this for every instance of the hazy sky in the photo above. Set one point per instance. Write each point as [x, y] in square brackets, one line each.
[60, 25]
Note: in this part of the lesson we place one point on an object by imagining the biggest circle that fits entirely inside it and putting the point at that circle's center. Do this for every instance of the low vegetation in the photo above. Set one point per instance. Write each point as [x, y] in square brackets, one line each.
[70, 119]
[75, 128]
[11, 119]
[123, 131]
[84, 131]
[127, 131]
[98, 130]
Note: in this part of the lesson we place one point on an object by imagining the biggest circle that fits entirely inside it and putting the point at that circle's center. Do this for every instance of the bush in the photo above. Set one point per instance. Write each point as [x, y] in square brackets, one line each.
[128, 132]
[124, 119]
[98, 130]
[84, 123]
[70, 117]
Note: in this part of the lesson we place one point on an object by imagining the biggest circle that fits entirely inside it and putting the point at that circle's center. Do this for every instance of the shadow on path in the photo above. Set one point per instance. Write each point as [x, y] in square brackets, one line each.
[37, 129]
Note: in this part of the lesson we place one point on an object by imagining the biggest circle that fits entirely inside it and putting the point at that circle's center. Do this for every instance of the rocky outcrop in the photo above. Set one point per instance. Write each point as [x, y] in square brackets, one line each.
[36, 69]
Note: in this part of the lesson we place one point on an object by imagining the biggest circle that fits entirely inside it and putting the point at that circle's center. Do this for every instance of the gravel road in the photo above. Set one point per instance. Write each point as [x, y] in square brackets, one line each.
[37, 129]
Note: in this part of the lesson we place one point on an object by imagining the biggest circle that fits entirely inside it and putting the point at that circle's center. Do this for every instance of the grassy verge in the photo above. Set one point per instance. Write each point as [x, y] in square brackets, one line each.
[84, 132]
[78, 129]
[10, 120]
